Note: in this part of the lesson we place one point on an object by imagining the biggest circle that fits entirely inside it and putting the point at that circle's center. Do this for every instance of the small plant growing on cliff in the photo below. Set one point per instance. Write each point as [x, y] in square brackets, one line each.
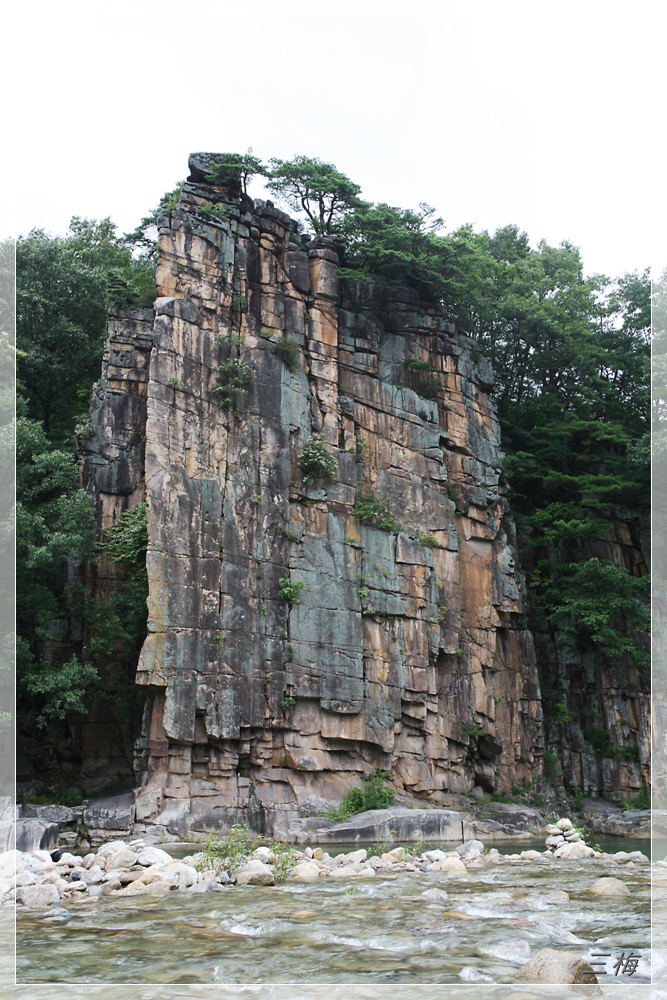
[430, 540]
[287, 702]
[287, 350]
[421, 366]
[371, 509]
[372, 795]
[472, 729]
[316, 461]
[561, 714]
[289, 590]
[234, 377]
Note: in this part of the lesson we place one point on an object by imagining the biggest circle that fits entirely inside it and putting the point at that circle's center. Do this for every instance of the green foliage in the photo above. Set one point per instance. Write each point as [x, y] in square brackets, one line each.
[316, 461]
[316, 188]
[63, 286]
[59, 688]
[642, 800]
[289, 590]
[601, 742]
[287, 349]
[126, 540]
[217, 211]
[71, 797]
[284, 860]
[287, 702]
[430, 540]
[234, 377]
[236, 168]
[372, 509]
[561, 714]
[416, 365]
[372, 795]
[229, 853]
[552, 769]
[597, 603]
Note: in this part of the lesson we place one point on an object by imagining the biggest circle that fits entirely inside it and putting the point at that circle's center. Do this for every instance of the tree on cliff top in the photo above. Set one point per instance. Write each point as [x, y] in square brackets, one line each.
[240, 167]
[320, 190]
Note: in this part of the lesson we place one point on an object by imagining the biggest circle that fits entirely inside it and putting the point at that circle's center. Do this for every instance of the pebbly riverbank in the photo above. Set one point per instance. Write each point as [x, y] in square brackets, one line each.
[40, 879]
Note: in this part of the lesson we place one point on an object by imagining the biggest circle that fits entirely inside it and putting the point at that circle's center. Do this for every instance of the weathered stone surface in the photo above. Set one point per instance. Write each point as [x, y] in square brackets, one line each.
[37, 897]
[376, 825]
[563, 967]
[255, 873]
[610, 887]
[408, 649]
[113, 813]
[35, 834]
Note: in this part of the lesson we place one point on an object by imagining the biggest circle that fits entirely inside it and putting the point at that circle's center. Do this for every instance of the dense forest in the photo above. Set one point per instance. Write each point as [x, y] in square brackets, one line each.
[570, 356]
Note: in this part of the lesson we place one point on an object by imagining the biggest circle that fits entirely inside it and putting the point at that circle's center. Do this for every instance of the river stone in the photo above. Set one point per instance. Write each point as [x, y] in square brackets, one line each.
[437, 894]
[186, 873]
[205, 886]
[153, 856]
[572, 836]
[435, 855]
[563, 967]
[397, 854]
[554, 831]
[36, 897]
[367, 872]
[449, 865]
[255, 873]
[318, 854]
[563, 824]
[263, 854]
[574, 851]
[532, 856]
[354, 857]
[470, 848]
[25, 878]
[610, 887]
[345, 871]
[305, 870]
[94, 875]
[134, 889]
[555, 841]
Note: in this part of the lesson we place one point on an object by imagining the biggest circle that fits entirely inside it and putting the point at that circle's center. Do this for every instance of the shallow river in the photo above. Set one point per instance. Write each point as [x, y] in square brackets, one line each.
[362, 931]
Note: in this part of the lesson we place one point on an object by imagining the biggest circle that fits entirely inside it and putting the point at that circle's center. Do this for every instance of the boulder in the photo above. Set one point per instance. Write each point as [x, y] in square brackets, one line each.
[470, 848]
[153, 856]
[36, 897]
[122, 859]
[450, 865]
[255, 873]
[376, 825]
[116, 812]
[305, 870]
[564, 824]
[36, 834]
[439, 895]
[564, 967]
[575, 851]
[610, 887]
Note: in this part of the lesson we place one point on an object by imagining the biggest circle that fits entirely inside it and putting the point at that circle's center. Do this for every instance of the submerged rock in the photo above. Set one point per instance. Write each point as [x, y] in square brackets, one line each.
[562, 967]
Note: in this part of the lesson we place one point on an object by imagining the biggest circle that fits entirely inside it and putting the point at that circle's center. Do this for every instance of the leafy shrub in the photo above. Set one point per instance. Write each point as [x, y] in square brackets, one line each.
[289, 590]
[371, 509]
[552, 769]
[601, 742]
[642, 800]
[561, 714]
[421, 366]
[234, 377]
[316, 461]
[287, 349]
[372, 795]
[430, 387]
[72, 796]
[472, 729]
[429, 540]
[287, 702]
[284, 860]
[229, 853]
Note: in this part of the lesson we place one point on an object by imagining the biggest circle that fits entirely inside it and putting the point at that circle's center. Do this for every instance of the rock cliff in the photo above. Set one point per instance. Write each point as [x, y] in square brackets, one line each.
[304, 631]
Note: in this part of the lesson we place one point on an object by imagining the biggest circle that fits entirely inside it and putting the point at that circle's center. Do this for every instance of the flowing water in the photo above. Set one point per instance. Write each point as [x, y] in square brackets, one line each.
[358, 931]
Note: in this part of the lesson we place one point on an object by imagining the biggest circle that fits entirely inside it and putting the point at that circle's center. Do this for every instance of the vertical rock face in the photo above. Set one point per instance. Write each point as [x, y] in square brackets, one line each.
[406, 647]
[597, 707]
[111, 460]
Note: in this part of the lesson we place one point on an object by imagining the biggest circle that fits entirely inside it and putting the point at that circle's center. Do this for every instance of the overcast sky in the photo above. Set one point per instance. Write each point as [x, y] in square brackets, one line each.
[541, 115]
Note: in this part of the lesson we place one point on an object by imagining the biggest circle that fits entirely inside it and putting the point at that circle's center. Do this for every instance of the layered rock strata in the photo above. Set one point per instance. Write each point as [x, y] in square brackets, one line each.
[406, 649]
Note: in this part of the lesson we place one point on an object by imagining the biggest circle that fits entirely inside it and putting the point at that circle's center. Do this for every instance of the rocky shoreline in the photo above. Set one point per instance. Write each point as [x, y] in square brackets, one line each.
[37, 879]
[114, 818]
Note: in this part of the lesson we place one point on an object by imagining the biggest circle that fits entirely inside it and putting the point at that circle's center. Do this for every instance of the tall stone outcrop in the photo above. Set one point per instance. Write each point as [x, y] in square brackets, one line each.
[303, 632]
[406, 649]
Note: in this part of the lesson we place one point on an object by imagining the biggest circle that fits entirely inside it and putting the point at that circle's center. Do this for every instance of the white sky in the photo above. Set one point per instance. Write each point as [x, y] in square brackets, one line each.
[545, 115]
